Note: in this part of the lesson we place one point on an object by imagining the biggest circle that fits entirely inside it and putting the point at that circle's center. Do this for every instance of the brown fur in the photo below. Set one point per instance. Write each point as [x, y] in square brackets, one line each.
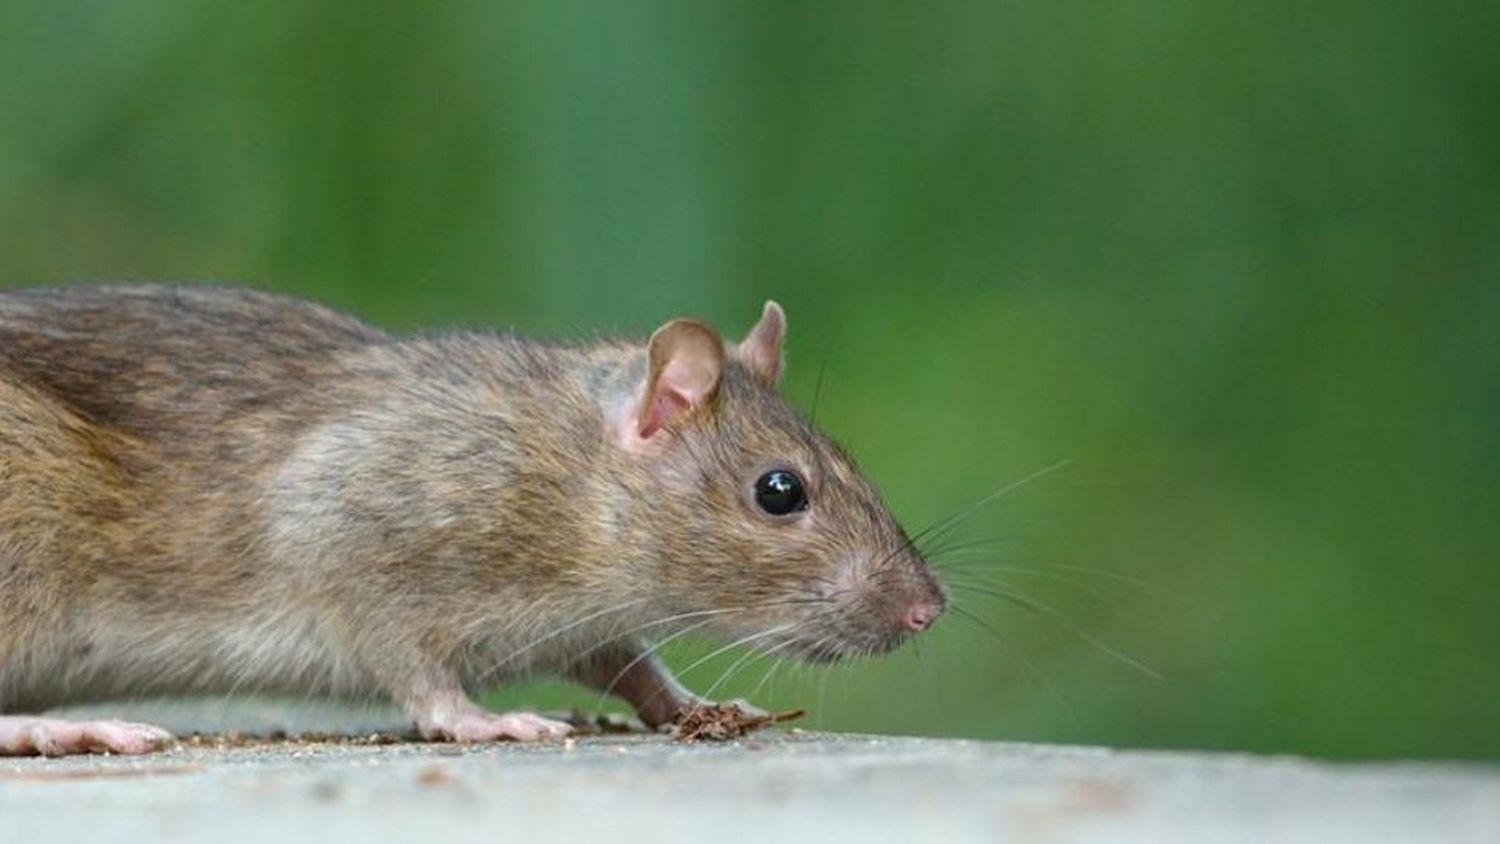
[214, 490]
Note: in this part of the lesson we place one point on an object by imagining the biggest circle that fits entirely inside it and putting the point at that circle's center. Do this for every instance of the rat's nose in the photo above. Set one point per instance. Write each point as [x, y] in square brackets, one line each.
[921, 615]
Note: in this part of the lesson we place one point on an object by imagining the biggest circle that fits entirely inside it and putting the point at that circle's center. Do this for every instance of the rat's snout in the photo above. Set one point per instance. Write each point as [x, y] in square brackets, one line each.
[886, 599]
[917, 602]
[920, 615]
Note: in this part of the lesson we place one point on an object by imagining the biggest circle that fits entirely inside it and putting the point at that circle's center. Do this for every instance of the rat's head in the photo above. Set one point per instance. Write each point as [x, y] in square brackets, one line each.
[767, 530]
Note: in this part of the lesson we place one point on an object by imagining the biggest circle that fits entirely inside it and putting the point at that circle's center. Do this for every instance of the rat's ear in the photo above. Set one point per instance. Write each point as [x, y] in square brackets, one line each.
[760, 351]
[686, 361]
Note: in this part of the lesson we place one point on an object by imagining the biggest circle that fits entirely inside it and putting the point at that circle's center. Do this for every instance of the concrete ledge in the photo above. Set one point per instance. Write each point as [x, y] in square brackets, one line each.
[784, 787]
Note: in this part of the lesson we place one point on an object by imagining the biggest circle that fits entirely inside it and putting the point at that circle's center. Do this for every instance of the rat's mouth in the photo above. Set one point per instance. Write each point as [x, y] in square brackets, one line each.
[843, 645]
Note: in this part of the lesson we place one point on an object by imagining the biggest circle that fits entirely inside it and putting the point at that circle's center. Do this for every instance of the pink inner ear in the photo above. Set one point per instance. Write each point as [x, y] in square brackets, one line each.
[761, 349]
[687, 358]
[768, 363]
[680, 386]
[666, 405]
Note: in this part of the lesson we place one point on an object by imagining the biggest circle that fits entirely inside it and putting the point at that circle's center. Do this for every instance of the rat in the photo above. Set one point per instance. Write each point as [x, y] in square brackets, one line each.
[212, 490]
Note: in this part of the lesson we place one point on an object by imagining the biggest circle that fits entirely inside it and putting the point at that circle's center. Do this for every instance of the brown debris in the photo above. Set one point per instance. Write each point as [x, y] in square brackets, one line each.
[719, 722]
[234, 740]
[724, 722]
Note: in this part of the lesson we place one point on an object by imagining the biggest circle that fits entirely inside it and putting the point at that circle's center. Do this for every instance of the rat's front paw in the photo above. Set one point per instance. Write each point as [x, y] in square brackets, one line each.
[24, 735]
[480, 726]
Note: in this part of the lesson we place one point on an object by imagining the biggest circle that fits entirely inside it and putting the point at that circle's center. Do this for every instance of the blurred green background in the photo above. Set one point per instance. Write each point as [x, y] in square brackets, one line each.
[1238, 263]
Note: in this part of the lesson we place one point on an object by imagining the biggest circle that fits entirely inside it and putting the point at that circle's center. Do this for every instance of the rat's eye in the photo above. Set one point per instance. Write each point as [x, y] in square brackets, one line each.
[780, 492]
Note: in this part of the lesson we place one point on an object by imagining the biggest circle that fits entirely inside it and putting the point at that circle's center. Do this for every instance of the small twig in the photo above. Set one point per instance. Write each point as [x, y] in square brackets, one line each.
[724, 722]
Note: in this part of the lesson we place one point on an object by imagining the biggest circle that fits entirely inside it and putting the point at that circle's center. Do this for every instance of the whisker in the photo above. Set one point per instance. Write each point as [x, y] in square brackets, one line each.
[776, 663]
[939, 528]
[686, 615]
[930, 667]
[746, 659]
[1124, 578]
[565, 628]
[1037, 606]
[954, 546]
[1031, 668]
[812, 414]
[771, 669]
[736, 643]
[957, 574]
[610, 687]
[1137, 582]
[823, 695]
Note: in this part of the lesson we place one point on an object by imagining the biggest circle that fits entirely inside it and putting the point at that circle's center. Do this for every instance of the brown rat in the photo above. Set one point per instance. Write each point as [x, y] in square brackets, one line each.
[209, 490]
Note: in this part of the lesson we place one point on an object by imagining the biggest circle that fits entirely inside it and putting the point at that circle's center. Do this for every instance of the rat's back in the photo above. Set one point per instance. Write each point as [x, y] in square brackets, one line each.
[157, 361]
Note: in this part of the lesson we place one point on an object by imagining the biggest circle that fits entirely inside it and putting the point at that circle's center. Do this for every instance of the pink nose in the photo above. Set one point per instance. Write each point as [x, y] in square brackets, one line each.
[921, 616]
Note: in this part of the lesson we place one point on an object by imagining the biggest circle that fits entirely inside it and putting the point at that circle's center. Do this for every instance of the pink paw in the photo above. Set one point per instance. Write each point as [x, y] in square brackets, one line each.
[480, 726]
[26, 735]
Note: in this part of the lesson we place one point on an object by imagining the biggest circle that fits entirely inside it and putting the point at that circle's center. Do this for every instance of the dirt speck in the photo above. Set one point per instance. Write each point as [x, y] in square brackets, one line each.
[436, 776]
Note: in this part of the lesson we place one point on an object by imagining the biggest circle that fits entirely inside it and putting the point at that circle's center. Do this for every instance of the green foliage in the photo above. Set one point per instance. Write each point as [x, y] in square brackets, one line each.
[1239, 262]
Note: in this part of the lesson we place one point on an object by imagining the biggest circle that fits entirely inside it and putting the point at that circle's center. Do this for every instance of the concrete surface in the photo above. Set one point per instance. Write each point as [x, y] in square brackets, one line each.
[783, 787]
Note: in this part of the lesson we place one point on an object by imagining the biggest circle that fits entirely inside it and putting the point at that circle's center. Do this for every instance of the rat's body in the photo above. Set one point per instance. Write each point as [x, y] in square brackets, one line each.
[213, 491]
